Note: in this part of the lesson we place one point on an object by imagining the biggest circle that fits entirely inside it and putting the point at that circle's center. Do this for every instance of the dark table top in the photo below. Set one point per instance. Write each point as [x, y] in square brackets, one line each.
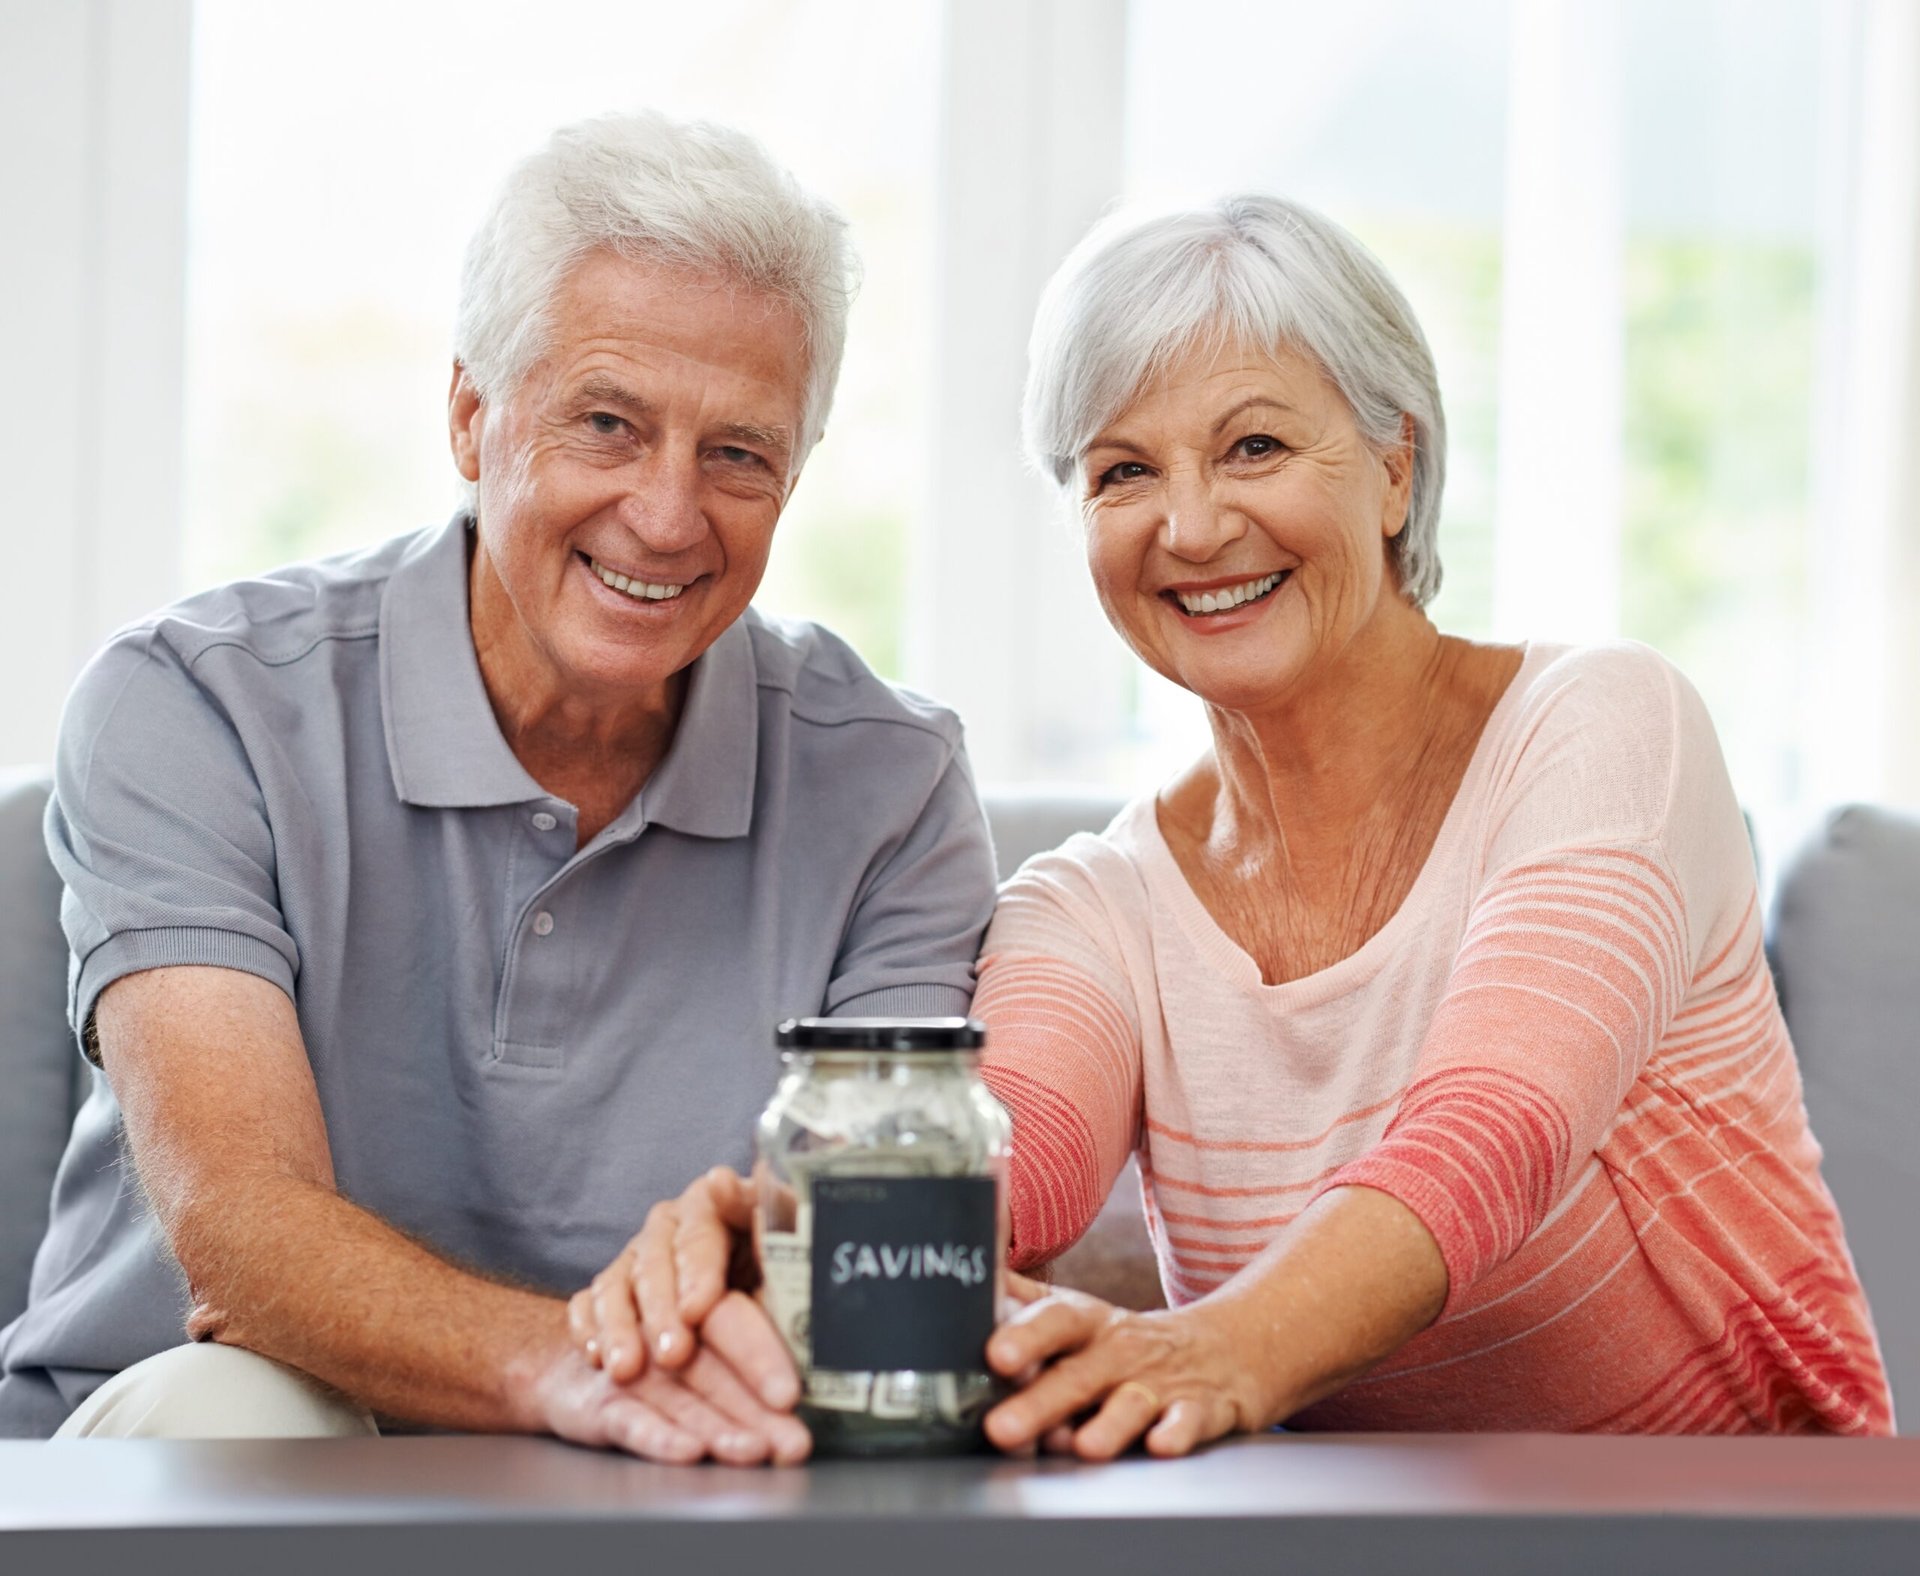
[1431, 1503]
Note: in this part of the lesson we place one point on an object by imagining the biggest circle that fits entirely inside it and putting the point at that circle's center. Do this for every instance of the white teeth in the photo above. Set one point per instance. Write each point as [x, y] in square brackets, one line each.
[1229, 596]
[639, 590]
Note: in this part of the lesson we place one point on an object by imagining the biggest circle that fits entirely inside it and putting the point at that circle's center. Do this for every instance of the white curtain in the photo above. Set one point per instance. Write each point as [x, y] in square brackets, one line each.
[1861, 708]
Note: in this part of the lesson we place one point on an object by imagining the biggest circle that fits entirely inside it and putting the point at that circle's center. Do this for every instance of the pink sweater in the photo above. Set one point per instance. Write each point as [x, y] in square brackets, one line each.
[1563, 1053]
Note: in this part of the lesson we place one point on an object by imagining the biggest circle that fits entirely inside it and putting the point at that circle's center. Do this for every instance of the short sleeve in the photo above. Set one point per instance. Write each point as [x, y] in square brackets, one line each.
[159, 831]
[911, 940]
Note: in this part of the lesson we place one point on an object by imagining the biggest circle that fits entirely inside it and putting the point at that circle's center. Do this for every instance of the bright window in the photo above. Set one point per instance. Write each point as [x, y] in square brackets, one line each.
[1612, 212]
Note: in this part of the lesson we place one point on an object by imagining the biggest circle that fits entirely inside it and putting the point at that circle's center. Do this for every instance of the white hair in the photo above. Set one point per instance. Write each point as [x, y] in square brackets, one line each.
[1137, 295]
[687, 195]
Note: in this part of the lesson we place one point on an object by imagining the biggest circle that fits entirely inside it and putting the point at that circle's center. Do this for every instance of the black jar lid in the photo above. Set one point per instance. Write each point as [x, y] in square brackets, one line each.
[881, 1034]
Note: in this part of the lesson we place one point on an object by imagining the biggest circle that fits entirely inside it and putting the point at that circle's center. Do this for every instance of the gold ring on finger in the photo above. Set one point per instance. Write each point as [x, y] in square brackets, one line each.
[1146, 1390]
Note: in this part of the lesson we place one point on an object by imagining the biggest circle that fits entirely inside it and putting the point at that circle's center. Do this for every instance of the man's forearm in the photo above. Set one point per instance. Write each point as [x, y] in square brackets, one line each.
[292, 1270]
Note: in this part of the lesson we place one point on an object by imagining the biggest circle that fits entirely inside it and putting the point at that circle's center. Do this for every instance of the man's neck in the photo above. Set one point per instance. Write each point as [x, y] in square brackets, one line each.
[594, 749]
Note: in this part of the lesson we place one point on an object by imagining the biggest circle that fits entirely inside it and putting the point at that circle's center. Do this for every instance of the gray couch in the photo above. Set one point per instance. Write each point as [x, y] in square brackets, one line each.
[1844, 935]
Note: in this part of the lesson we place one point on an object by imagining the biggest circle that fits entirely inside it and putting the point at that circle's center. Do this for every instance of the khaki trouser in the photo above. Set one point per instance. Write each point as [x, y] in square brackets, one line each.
[205, 1391]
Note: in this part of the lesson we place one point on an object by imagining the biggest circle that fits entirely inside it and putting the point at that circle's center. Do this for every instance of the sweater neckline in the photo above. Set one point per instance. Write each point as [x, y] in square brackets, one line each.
[1167, 882]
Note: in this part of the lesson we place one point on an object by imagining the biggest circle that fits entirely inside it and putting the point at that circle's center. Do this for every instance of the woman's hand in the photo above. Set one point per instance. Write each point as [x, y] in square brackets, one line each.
[1178, 1378]
[1354, 1278]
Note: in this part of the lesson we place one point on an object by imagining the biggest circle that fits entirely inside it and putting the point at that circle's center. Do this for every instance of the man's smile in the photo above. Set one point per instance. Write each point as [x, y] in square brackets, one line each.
[639, 590]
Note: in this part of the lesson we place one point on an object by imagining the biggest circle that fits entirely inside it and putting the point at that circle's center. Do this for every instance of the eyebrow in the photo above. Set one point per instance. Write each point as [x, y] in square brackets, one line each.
[1111, 440]
[600, 389]
[1252, 402]
[766, 437]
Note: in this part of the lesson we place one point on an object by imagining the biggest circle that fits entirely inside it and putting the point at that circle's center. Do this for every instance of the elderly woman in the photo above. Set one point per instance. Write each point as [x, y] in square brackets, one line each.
[1431, 998]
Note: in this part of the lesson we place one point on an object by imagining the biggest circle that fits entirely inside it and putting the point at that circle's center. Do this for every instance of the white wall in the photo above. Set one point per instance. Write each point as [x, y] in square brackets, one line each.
[93, 161]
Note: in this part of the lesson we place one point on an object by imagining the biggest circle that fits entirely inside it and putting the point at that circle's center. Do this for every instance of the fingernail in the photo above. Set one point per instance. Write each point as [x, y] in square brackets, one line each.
[593, 1351]
[779, 1393]
[666, 1343]
[616, 1356]
[737, 1444]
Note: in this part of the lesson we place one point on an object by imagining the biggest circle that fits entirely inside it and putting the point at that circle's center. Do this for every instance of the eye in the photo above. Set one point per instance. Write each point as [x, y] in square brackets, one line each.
[733, 454]
[1257, 446]
[605, 423]
[1125, 471]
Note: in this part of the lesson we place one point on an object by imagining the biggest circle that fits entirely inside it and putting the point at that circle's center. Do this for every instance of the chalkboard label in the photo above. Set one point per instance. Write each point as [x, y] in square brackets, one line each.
[903, 1273]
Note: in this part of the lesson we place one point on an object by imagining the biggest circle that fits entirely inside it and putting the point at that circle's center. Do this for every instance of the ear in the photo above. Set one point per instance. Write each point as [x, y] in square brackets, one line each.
[1399, 463]
[465, 417]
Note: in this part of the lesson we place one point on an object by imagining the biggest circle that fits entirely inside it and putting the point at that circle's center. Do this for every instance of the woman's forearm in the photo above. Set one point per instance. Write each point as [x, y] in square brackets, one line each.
[1352, 1280]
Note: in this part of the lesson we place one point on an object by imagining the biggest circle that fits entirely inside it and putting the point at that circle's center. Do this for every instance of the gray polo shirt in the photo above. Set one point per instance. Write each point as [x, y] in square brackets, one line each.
[518, 1047]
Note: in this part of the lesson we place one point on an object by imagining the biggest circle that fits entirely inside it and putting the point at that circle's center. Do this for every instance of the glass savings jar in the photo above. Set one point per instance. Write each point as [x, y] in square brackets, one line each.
[881, 1162]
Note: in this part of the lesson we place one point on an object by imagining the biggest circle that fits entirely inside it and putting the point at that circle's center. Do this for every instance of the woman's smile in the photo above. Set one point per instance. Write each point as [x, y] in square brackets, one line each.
[1214, 607]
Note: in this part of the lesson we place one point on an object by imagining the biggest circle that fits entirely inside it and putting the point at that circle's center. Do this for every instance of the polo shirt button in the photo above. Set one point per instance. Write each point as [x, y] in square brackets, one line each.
[543, 923]
[542, 822]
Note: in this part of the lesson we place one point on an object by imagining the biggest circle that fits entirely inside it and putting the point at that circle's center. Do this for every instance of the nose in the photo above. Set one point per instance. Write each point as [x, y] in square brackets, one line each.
[1197, 526]
[661, 506]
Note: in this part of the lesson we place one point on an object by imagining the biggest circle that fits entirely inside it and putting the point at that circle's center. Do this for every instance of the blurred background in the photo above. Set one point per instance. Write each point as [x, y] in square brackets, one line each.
[1666, 252]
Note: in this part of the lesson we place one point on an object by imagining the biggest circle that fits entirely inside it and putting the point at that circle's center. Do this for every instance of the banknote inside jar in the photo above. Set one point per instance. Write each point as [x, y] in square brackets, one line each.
[928, 1123]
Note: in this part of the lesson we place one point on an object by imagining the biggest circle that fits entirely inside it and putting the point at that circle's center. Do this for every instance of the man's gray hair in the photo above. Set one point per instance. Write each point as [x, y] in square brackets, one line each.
[1137, 295]
[686, 195]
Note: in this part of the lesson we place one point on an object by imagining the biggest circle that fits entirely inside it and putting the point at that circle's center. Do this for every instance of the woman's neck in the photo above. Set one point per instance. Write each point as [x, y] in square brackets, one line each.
[1326, 757]
[1306, 828]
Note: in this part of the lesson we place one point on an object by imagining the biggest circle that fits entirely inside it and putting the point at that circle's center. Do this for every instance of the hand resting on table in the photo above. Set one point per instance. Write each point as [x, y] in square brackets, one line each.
[1094, 1379]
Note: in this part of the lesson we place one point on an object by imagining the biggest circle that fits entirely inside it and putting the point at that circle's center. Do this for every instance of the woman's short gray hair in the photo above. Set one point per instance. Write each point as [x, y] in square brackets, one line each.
[688, 195]
[1136, 295]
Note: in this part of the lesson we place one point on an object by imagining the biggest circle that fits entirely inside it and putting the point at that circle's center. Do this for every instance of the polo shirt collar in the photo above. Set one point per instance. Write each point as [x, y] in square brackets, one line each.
[704, 787]
[444, 743]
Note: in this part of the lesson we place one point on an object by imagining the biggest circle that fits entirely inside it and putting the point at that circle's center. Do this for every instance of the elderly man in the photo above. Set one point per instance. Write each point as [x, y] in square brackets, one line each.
[431, 907]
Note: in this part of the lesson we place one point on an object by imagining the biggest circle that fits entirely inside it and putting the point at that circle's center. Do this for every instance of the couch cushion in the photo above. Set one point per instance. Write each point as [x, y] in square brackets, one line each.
[1846, 953]
[38, 1062]
[1028, 821]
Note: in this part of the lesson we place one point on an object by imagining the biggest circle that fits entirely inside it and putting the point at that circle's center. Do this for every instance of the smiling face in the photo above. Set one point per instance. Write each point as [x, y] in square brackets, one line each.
[1237, 525]
[629, 484]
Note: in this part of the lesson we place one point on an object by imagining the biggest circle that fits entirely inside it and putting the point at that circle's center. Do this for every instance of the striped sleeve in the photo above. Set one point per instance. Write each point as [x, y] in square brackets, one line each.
[1063, 1052]
[1612, 829]
[1573, 965]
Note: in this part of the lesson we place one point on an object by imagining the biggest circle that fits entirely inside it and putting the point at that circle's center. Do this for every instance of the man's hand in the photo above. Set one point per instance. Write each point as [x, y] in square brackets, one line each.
[703, 1411]
[232, 1150]
[673, 1279]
